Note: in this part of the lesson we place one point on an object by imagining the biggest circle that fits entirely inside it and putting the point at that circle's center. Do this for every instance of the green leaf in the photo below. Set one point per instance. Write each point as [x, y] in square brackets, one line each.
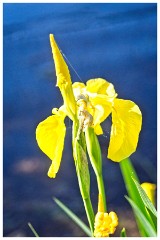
[76, 219]
[123, 233]
[141, 217]
[145, 198]
[154, 219]
[128, 172]
[33, 230]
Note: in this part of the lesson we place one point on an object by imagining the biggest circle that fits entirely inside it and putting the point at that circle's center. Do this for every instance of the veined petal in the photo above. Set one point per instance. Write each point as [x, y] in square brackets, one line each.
[101, 96]
[63, 79]
[78, 86]
[126, 125]
[50, 135]
[101, 112]
[101, 86]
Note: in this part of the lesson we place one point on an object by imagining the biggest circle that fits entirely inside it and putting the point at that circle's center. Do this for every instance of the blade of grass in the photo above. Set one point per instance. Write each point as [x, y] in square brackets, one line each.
[154, 219]
[128, 172]
[152, 213]
[143, 220]
[33, 230]
[123, 233]
[76, 219]
[145, 198]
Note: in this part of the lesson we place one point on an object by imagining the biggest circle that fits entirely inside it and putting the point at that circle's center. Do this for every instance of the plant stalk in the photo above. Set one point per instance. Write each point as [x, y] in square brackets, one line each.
[83, 176]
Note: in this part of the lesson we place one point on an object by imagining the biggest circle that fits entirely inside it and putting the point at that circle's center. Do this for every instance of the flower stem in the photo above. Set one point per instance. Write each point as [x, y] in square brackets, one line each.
[94, 152]
[101, 190]
[80, 157]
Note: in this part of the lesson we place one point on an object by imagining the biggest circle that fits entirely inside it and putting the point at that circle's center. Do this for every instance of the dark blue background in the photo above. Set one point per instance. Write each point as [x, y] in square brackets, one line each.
[117, 42]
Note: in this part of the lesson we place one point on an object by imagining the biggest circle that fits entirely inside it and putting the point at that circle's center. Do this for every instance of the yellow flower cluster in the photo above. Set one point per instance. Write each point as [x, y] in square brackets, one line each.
[105, 224]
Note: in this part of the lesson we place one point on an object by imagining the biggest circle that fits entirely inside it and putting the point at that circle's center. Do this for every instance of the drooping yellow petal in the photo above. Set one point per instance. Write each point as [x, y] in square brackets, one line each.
[126, 125]
[50, 135]
[63, 79]
[149, 189]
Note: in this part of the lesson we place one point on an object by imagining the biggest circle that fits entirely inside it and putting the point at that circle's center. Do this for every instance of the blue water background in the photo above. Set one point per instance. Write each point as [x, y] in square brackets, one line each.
[117, 42]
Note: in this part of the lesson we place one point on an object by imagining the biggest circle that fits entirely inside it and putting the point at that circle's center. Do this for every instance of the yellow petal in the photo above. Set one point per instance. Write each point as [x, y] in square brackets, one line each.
[101, 86]
[60, 112]
[50, 135]
[114, 218]
[126, 125]
[63, 79]
[101, 96]
[149, 189]
[62, 72]
[101, 112]
[78, 87]
[98, 129]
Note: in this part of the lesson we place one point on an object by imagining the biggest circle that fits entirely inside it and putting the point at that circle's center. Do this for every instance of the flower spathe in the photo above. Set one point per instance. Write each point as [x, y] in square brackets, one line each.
[100, 100]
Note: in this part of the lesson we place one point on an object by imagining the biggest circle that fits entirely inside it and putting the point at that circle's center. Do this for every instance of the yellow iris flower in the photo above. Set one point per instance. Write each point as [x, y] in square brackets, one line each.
[100, 101]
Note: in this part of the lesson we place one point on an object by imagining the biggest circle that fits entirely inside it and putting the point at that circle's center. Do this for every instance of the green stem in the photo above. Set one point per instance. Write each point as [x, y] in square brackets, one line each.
[94, 152]
[101, 190]
[82, 174]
